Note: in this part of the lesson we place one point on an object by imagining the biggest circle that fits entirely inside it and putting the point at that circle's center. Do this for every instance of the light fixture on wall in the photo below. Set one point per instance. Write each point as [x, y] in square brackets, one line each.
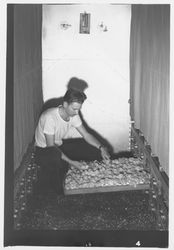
[103, 27]
[65, 25]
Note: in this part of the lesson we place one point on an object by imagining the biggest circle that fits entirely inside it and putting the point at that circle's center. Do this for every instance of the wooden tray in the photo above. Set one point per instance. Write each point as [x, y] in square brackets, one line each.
[106, 189]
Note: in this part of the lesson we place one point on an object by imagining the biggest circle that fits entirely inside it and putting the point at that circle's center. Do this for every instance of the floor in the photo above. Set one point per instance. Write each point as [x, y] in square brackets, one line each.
[126, 210]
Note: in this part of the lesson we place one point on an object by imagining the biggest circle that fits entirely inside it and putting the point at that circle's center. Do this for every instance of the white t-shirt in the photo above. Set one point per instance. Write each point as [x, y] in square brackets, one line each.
[52, 123]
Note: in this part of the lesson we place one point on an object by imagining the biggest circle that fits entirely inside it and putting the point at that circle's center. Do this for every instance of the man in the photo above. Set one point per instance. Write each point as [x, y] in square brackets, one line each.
[53, 127]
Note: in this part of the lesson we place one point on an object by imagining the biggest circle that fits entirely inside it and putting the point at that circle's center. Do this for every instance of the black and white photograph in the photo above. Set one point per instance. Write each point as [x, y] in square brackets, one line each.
[87, 128]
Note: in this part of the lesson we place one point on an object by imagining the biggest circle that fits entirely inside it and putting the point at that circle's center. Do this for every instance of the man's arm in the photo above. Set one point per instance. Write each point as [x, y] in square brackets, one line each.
[50, 139]
[89, 138]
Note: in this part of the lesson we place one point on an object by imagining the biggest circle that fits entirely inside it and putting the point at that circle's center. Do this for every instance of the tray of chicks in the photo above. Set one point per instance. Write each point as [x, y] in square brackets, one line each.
[101, 176]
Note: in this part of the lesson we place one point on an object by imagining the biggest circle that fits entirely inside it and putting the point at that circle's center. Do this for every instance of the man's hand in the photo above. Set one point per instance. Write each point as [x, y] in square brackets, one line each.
[104, 153]
[76, 164]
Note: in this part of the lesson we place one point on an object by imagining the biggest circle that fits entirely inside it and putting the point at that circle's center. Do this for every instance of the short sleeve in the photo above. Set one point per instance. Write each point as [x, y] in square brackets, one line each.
[76, 121]
[49, 126]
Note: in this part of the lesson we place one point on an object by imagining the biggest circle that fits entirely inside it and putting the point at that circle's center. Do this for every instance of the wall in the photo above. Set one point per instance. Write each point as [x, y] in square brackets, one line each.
[27, 75]
[99, 58]
[149, 76]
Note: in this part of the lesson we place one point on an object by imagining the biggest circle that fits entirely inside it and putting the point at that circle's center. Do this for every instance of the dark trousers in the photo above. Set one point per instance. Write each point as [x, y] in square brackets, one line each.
[53, 169]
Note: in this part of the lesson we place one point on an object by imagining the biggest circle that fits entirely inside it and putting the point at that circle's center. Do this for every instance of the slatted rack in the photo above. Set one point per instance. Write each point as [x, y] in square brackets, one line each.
[159, 183]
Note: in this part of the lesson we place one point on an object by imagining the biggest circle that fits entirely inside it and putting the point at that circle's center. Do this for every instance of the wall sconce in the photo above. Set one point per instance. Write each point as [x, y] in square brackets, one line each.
[64, 25]
[103, 27]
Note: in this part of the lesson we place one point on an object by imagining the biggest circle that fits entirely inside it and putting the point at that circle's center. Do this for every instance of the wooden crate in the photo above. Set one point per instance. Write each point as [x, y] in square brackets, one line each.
[108, 187]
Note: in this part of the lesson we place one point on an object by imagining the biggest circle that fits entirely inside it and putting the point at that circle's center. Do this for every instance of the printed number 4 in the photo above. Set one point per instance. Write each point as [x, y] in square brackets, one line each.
[138, 243]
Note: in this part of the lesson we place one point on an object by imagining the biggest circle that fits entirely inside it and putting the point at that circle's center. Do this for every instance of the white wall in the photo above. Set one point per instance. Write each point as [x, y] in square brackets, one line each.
[99, 58]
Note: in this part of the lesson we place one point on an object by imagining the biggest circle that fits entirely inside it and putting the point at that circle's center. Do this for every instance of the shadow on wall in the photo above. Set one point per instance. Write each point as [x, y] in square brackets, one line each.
[74, 83]
[81, 85]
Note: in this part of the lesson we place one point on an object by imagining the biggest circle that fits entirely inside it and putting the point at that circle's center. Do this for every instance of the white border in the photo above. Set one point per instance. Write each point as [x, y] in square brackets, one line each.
[3, 28]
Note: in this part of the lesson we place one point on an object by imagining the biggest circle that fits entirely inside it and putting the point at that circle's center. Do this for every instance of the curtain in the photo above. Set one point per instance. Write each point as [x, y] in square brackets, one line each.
[28, 97]
[149, 76]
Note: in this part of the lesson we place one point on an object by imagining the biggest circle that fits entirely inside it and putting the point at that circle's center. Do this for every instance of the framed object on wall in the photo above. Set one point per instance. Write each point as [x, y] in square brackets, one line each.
[84, 23]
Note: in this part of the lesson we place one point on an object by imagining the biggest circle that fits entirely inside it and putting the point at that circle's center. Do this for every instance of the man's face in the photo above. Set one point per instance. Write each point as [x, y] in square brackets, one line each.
[72, 109]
